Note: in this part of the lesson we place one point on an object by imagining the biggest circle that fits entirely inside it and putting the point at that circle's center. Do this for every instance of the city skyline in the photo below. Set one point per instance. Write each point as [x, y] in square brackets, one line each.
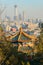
[32, 8]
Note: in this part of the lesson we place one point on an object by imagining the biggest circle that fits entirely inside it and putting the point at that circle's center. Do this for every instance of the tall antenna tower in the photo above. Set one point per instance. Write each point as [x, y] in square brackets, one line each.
[15, 12]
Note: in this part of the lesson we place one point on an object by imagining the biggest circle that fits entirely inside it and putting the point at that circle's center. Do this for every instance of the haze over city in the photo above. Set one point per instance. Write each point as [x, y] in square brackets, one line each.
[32, 8]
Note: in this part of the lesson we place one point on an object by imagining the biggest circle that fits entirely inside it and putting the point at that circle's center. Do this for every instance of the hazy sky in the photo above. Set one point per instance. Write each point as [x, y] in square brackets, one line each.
[32, 8]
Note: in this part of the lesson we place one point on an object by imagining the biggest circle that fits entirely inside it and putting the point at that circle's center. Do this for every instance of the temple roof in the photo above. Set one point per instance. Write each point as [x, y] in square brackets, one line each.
[21, 36]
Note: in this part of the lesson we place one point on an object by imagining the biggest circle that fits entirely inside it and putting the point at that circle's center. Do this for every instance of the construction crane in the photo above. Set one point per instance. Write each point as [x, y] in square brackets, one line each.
[1, 11]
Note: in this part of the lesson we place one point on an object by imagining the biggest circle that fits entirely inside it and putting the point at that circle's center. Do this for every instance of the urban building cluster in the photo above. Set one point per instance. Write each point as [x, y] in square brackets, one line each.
[31, 26]
[25, 31]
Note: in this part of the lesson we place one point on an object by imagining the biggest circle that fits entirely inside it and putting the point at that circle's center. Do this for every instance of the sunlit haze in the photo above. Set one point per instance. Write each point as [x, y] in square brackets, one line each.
[32, 8]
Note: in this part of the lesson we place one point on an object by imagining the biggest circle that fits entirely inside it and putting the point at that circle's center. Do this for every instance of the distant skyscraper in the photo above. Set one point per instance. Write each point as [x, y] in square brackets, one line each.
[40, 23]
[36, 21]
[40, 20]
[20, 17]
[28, 20]
[15, 12]
[23, 15]
[7, 18]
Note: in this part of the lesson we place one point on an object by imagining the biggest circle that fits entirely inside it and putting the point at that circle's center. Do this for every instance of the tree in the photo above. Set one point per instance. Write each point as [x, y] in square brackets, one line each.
[40, 45]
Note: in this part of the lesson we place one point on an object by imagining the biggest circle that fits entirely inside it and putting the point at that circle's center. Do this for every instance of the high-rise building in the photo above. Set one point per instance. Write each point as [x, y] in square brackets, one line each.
[15, 12]
[23, 15]
[36, 21]
[20, 17]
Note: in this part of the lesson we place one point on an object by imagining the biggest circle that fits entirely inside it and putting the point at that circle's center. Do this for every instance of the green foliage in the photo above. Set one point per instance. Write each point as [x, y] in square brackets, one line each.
[28, 63]
[40, 44]
[22, 63]
[2, 56]
[13, 60]
[10, 56]
[1, 28]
